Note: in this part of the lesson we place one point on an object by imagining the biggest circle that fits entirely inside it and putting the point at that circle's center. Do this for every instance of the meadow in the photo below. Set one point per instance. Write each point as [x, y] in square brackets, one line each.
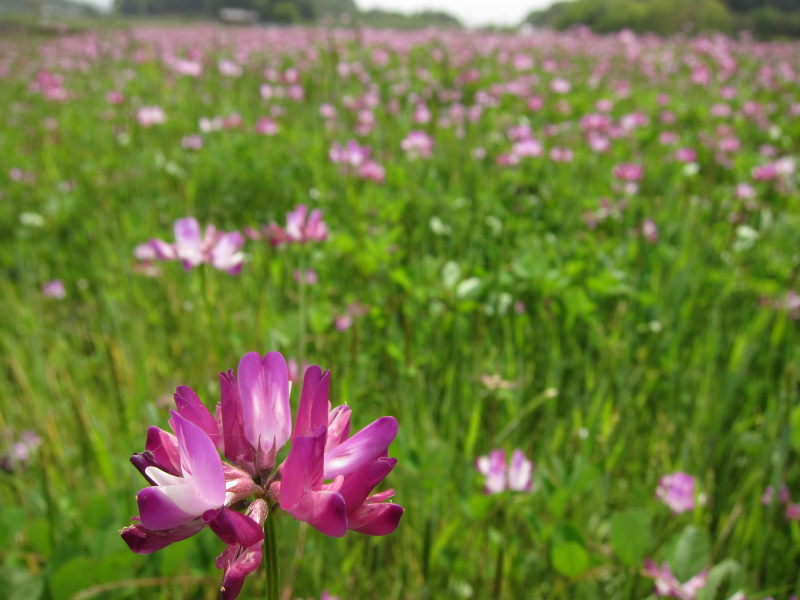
[582, 247]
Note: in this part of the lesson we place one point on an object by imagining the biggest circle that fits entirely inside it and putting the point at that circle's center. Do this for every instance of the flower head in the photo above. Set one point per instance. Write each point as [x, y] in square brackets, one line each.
[516, 476]
[668, 586]
[193, 247]
[677, 491]
[301, 227]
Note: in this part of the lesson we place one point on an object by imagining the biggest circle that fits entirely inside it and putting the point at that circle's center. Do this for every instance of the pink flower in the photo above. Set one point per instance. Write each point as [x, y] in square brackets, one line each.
[327, 477]
[301, 227]
[417, 144]
[517, 476]
[677, 491]
[188, 492]
[667, 586]
[650, 231]
[54, 289]
[310, 276]
[192, 248]
[561, 154]
[150, 115]
[115, 97]
[192, 142]
[266, 126]
[628, 172]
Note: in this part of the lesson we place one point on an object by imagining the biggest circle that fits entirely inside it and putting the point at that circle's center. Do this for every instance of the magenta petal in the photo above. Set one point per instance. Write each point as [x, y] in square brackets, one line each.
[192, 408]
[162, 250]
[325, 511]
[237, 448]
[357, 485]
[302, 470]
[312, 412]
[225, 254]
[233, 527]
[239, 561]
[377, 519]
[164, 448]
[142, 460]
[158, 512]
[199, 458]
[187, 233]
[144, 541]
[264, 393]
[368, 444]
[338, 426]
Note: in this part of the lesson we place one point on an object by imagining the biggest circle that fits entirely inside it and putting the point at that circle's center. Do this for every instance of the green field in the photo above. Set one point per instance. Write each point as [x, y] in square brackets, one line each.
[499, 295]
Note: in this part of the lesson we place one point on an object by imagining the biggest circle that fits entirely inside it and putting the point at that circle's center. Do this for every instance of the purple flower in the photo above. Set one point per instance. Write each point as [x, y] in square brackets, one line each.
[256, 419]
[327, 477]
[418, 144]
[150, 115]
[238, 560]
[54, 289]
[193, 247]
[677, 491]
[667, 586]
[301, 227]
[179, 504]
[517, 476]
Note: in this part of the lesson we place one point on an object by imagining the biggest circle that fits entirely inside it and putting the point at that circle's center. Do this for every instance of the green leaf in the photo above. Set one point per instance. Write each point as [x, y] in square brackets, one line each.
[570, 558]
[690, 554]
[631, 535]
[19, 584]
[727, 569]
[73, 576]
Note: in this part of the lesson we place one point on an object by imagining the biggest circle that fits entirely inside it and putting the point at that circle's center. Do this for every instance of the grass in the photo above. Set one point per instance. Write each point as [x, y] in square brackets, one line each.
[626, 359]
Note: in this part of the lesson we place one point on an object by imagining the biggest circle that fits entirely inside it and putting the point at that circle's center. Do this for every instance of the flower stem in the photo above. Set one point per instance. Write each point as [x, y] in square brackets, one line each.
[271, 559]
[302, 309]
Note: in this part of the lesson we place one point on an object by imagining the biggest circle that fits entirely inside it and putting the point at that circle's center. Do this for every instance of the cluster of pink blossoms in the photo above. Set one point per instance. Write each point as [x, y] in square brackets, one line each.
[326, 480]
[516, 476]
[193, 247]
[677, 490]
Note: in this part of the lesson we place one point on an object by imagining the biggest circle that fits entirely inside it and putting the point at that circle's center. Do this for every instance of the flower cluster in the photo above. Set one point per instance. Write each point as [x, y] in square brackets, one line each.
[668, 586]
[677, 490]
[517, 476]
[326, 480]
[193, 247]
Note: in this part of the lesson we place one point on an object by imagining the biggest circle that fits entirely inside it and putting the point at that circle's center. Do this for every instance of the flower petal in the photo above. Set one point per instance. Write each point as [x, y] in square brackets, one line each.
[233, 527]
[200, 461]
[377, 519]
[192, 408]
[312, 412]
[142, 540]
[158, 511]
[164, 448]
[264, 392]
[368, 444]
[357, 485]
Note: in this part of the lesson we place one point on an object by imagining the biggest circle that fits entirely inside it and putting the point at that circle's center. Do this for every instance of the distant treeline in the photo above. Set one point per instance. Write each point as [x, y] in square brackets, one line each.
[765, 18]
[282, 11]
[288, 11]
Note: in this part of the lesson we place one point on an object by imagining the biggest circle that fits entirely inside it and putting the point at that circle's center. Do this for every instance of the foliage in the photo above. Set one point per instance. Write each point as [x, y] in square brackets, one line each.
[499, 304]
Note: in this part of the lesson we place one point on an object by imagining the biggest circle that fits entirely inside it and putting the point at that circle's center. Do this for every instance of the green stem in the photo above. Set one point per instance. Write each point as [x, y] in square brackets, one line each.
[301, 359]
[271, 559]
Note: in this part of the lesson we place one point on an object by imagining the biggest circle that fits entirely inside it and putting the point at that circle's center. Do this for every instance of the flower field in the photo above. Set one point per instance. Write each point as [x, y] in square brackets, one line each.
[554, 278]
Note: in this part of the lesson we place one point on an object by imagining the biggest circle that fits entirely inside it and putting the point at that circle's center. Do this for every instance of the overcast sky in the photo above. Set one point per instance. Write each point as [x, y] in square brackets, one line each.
[470, 12]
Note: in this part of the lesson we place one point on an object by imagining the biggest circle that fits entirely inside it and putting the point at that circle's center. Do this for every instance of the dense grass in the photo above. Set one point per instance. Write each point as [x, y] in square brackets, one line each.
[625, 358]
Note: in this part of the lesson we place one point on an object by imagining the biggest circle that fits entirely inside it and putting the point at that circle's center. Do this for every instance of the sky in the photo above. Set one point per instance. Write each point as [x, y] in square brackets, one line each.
[469, 12]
